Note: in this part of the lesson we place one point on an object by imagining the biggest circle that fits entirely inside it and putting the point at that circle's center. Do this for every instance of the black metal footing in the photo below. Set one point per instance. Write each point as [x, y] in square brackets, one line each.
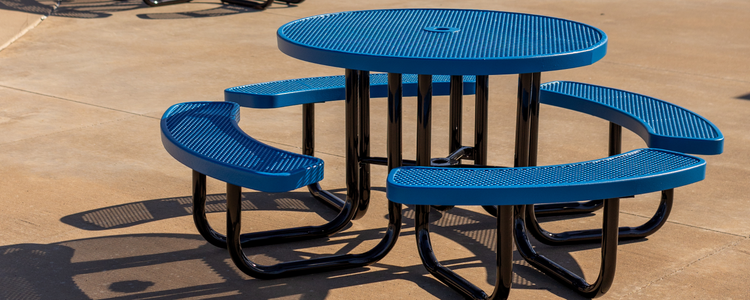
[608, 265]
[250, 4]
[266, 237]
[153, 3]
[595, 235]
[504, 257]
[235, 241]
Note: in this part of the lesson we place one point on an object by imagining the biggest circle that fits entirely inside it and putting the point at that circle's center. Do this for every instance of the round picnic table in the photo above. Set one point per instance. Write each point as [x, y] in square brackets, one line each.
[430, 42]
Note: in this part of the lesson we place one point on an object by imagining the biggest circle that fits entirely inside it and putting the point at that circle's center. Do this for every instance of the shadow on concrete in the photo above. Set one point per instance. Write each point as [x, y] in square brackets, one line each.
[94, 9]
[218, 11]
[82, 9]
[169, 266]
[131, 214]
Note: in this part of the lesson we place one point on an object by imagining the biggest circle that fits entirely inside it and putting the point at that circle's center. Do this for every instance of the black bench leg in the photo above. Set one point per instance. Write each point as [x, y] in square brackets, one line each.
[199, 212]
[301, 267]
[595, 235]
[308, 148]
[504, 259]
[554, 270]
[260, 238]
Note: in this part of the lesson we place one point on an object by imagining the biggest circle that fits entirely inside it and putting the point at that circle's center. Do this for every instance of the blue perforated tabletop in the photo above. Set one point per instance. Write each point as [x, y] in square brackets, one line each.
[442, 41]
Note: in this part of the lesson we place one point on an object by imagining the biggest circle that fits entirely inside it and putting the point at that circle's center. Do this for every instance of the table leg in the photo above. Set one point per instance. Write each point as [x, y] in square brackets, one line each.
[528, 108]
[424, 120]
[395, 92]
[481, 104]
[455, 111]
[481, 124]
[352, 142]
[364, 143]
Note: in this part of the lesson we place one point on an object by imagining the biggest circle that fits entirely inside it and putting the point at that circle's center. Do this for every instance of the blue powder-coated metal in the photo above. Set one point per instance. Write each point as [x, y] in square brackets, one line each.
[205, 137]
[442, 41]
[635, 172]
[329, 88]
[661, 124]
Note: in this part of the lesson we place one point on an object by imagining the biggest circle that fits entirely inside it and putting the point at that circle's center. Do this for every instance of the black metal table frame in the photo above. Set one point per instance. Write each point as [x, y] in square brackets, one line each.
[511, 220]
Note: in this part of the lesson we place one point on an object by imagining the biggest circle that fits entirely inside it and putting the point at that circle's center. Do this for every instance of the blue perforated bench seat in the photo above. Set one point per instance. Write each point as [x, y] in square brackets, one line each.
[661, 124]
[631, 173]
[205, 137]
[329, 88]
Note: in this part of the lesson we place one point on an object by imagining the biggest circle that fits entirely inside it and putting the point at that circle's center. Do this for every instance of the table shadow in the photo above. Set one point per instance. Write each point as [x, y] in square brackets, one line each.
[474, 231]
[96, 9]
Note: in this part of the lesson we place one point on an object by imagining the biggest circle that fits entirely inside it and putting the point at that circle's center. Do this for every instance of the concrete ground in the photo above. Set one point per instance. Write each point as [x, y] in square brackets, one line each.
[94, 208]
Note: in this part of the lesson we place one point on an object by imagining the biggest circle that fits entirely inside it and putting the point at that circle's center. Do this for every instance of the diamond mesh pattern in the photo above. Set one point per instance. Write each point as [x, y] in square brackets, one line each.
[663, 117]
[208, 129]
[638, 163]
[481, 34]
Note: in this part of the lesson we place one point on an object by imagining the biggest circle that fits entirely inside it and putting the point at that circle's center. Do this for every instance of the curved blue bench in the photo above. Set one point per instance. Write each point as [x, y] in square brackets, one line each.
[636, 172]
[661, 124]
[329, 88]
[631, 173]
[205, 137]
[309, 91]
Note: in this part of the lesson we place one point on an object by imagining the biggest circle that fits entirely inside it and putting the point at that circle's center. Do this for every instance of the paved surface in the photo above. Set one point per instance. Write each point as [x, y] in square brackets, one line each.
[93, 207]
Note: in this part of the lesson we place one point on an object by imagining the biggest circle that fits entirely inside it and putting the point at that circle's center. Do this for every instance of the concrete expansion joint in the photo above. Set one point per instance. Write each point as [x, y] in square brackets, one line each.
[31, 26]
[77, 101]
[731, 245]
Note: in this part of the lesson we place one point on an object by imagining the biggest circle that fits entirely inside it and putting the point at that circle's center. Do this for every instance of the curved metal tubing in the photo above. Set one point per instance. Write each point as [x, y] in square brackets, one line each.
[265, 237]
[346, 214]
[554, 270]
[301, 267]
[308, 148]
[504, 258]
[199, 213]
[595, 235]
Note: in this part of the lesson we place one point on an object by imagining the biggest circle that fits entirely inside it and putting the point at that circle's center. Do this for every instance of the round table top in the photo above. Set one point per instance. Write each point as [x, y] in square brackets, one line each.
[442, 41]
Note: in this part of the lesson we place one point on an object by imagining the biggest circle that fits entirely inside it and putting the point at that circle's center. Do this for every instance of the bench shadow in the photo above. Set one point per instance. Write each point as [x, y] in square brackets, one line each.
[219, 11]
[81, 9]
[474, 231]
[95, 9]
[136, 213]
